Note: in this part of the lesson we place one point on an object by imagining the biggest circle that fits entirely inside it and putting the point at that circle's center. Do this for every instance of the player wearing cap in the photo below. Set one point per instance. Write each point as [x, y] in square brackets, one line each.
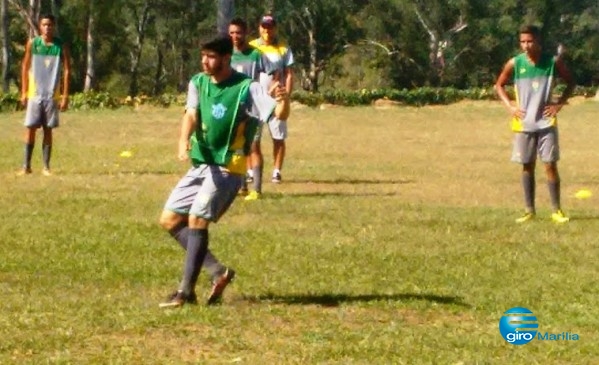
[280, 60]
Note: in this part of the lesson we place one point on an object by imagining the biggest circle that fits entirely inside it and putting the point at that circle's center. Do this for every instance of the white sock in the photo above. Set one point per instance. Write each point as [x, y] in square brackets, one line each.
[250, 173]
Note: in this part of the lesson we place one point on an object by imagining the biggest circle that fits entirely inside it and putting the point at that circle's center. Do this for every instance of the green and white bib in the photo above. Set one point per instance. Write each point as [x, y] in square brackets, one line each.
[224, 131]
[533, 84]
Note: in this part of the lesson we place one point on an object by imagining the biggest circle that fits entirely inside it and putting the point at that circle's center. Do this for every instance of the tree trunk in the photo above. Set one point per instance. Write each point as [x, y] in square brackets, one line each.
[140, 28]
[56, 5]
[314, 66]
[183, 78]
[225, 12]
[30, 15]
[158, 86]
[6, 55]
[90, 68]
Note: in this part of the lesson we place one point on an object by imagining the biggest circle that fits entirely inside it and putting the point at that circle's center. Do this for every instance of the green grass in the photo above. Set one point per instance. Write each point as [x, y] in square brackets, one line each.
[391, 241]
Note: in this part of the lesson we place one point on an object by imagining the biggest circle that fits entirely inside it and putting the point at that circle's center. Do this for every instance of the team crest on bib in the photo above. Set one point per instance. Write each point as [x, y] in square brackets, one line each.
[218, 111]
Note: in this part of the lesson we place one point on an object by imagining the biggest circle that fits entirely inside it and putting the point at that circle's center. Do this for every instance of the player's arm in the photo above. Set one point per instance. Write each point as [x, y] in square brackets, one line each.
[189, 121]
[268, 103]
[66, 77]
[288, 80]
[188, 125]
[289, 72]
[26, 65]
[565, 74]
[506, 74]
[283, 107]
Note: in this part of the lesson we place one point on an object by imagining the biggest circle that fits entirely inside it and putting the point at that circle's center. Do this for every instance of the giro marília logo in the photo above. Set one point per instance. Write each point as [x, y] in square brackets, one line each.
[518, 326]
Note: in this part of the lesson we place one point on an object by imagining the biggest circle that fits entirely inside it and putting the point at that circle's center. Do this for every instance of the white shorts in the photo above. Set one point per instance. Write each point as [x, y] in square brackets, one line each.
[276, 127]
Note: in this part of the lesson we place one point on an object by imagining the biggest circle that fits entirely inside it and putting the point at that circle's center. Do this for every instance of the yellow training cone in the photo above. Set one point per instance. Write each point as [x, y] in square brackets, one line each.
[126, 154]
[583, 194]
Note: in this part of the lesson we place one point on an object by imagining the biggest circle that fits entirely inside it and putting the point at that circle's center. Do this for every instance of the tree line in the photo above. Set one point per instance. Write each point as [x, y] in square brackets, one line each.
[150, 47]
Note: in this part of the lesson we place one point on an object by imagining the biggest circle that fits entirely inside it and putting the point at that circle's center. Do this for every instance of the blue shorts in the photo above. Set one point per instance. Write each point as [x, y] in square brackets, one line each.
[544, 143]
[206, 191]
[41, 113]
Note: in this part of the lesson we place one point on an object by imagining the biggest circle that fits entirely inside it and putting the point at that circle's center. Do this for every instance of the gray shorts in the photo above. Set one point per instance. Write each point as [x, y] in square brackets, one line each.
[41, 113]
[527, 145]
[205, 191]
[276, 127]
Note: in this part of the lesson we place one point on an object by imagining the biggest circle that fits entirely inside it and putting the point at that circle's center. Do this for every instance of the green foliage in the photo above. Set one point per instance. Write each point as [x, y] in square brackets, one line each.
[9, 102]
[414, 97]
[355, 44]
[93, 100]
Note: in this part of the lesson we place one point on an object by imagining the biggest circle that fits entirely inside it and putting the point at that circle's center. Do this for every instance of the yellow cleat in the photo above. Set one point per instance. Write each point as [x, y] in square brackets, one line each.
[253, 195]
[528, 216]
[46, 172]
[559, 217]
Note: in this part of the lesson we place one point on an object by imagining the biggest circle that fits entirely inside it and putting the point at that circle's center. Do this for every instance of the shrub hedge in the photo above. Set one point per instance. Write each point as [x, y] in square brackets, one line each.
[414, 97]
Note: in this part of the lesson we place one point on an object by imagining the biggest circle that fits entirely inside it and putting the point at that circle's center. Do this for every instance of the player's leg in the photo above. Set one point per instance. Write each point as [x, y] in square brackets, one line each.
[177, 226]
[549, 152]
[47, 149]
[278, 132]
[175, 220]
[29, 143]
[33, 120]
[216, 192]
[525, 152]
[49, 122]
[257, 166]
[214, 198]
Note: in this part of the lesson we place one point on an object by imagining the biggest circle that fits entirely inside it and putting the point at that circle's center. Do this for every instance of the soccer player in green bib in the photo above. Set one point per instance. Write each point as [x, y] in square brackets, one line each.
[250, 61]
[222, 113]
[45, 68]
[534, 116]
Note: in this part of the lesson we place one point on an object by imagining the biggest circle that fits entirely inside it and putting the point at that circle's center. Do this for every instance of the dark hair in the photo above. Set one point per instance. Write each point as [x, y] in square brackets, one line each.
[532, 30]
[223, 45]
[50, 17]
[240, 23]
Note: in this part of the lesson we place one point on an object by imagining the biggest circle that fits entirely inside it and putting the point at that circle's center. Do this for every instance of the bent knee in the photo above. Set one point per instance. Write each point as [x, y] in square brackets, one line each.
[198, 222]
[169, 219]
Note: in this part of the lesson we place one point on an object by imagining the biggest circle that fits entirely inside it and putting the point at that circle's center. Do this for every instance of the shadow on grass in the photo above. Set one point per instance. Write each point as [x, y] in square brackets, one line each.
[126, 173]
[334, 300]
[584, 218]
[321, 194]
[347, 181]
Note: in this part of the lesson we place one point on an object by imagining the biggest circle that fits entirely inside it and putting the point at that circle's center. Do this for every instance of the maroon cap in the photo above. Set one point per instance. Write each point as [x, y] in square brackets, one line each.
[268, 20]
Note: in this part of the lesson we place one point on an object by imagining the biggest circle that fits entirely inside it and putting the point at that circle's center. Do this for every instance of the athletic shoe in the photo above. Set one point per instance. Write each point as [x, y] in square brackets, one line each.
[559, 217]
[24, 171]
[178, 299]
[243, 191]
[276, 177]
[253, 195]
[219, 285]
[528, 216]
[46, 172]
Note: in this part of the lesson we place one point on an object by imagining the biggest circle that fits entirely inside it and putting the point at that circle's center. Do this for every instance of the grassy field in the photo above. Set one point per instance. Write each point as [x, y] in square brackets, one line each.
[391, 241]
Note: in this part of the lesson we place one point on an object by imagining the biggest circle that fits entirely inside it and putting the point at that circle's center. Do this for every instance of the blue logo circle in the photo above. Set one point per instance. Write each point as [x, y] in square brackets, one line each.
[518, 326]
